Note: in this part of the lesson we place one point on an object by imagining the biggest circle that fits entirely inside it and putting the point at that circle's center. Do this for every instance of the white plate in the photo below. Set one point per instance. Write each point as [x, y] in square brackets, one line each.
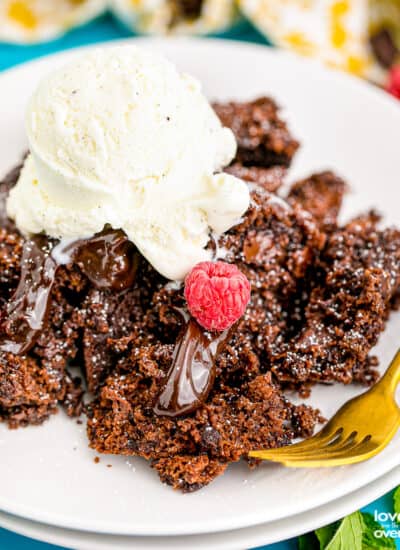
[266, 533]
[48, 473]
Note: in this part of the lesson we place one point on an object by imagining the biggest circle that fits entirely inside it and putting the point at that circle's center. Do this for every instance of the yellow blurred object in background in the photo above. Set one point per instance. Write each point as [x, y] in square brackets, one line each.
[26, 21]
[338, 32]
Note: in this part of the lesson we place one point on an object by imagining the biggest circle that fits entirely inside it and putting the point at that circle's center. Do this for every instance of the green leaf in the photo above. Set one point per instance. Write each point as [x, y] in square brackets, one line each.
[370, 541]
[349, 534]
[325, 534]
[308, 542]
[396, 500]
[354, 532]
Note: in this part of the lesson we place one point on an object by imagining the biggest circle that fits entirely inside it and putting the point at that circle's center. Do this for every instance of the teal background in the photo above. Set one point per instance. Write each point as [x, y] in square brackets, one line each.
[103, 29]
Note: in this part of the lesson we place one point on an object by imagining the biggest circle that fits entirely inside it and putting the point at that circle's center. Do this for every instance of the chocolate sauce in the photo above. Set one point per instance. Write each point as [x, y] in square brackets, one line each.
[108, 259]
[192, 372]
[29, 304]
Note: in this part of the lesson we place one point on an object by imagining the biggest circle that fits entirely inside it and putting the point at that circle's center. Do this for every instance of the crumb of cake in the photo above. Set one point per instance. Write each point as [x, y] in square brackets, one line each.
[96, 459]
[72, 398]
[263, 137]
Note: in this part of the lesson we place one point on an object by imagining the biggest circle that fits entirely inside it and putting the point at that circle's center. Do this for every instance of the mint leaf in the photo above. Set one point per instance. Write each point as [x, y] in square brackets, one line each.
[325, 534]
[308, 542]
[348, 534]
[354, 532]
[396, 500]
[370, 541]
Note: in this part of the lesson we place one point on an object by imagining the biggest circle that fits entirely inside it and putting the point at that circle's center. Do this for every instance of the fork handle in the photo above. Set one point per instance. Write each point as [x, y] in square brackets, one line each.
[391, 378]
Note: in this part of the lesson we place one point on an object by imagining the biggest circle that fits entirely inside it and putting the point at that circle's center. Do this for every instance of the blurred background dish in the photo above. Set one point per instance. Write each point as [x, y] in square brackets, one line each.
[176, 16]
[358, 36]
[347, 34]
[28, 21]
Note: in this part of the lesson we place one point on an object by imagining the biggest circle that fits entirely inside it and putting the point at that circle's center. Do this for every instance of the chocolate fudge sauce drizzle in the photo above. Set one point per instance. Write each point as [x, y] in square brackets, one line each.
[192, 373]
[29, 304]
[108, 259]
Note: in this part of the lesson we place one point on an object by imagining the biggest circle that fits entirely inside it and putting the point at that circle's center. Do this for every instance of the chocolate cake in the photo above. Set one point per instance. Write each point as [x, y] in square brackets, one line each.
[358, 274]
[321, 294]
[321, 195]
[262, 136]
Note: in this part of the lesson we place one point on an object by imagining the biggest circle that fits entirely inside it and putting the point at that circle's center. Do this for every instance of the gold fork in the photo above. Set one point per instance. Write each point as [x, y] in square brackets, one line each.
[358, 431]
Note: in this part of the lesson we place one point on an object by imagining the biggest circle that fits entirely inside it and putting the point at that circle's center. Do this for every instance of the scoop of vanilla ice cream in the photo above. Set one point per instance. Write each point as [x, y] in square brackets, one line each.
[120, 137]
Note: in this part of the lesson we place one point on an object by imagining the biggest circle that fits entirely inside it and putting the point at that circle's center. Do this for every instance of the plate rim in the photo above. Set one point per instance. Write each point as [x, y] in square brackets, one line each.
[255, 535]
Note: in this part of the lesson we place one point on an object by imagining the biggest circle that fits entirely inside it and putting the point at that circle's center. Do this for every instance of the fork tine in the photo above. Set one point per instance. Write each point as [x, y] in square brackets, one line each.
[347, 446]
[324, 437]
[362, 451]
[339, 444]
[343, 443]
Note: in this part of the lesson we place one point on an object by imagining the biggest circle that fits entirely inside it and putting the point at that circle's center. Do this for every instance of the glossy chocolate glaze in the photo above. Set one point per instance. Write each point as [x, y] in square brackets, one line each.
[29, 304]
[192, 373]
[108, 259]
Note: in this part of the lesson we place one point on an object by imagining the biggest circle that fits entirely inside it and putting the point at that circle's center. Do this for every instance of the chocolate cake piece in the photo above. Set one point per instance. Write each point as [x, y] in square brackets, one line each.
[263, 137]
[359, 274]
[189, 452]
[31, 385]
[111, 320]
[269, 178]
[274, 247]
[28, 392]
[320, 194]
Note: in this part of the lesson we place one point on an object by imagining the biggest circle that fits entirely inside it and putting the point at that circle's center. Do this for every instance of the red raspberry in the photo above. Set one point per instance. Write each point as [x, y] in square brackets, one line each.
[217, 294]
[393, 84]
